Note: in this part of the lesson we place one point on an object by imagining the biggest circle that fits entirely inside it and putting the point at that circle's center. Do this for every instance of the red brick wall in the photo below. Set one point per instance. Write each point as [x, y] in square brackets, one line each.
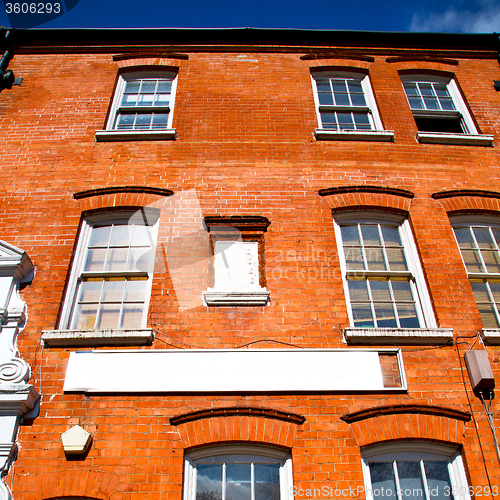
[245, 143]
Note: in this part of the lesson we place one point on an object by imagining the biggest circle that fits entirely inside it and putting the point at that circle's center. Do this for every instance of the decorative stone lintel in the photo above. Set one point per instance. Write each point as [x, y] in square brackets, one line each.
[491, 336]
[455, 139]
[250, 298]
[70, 338]
[354, 135]
[135, 135]
[398, 336]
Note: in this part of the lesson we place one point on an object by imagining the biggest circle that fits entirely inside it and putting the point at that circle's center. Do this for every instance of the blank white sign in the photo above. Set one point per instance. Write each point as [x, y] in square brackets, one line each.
[231, 370]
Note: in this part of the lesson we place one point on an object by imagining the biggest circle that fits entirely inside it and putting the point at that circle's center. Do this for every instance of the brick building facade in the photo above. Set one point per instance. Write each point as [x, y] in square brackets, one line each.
[247, 264]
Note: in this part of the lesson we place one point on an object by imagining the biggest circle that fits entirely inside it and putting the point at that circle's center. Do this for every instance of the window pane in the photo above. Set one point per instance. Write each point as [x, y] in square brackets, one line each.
[146, 100]
[407, 315]
[329, 120]
[113, 290]
[480, 291]
[358, 100]
[371, 235]
[84, 317]
[492, 261]
[141, 236]
[350, 235]
[126, 121]
[426, 89]
[396, 258]
[120, 236]
[143, 120]
[342, 99]
[354, 258]
[472, 261]
[464, 238]
[238, 482]
[339, 85]
[383, 482]
[117, 259]
[362, 121]
[132, 87]
[95, 260]
[148, 87]
[410, 480]
[90, 290]
[385, 316]
[447, 104]
[160, 120]
[209, 482]
[267, 481]
[136, 290]
[132, 316]
[483, 237]
[402, 291]
[416, 103]
[495, 290]
[109, 316]
[410, 88]
[164, 86]
[323, 85]
[325, 99]
[345, 120]
[140, 259]
[391, 236]
[358, 291]
[100, 236]
[438, 479]
[375, 258]
[362, 315]
[380, 290]
[431, 103]
[488, 316]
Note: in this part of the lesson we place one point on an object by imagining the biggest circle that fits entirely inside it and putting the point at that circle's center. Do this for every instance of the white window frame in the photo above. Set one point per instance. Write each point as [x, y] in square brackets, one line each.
[219, 452]
[377, 132]
[417, 451]
[428, 328]
[76, 272]
[112, 133]
[492, 335]
[469, 137]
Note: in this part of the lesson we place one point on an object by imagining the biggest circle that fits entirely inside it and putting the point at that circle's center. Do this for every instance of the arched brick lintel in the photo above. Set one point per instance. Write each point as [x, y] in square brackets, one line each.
[462, 201]
[72, 483]
[367, 197]
[121, 196]
[238, 428]
[401, 422]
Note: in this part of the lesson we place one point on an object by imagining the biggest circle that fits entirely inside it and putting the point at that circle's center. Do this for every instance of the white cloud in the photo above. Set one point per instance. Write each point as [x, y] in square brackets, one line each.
[484, 19]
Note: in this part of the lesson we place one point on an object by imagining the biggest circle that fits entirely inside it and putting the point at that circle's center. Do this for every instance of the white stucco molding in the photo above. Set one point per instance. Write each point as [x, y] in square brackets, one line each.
[246, 298]
[17, 397]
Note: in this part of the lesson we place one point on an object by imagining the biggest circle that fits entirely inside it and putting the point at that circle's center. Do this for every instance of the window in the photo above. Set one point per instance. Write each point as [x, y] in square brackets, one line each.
[110, 281]
[479, 246]
[439, 110]
[345, 104]
[382, 274]
[414, 471]
[142, 107]
[237, 271]
[238, 472]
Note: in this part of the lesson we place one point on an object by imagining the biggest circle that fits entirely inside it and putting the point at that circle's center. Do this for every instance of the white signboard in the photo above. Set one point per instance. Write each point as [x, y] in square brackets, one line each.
[228, 370]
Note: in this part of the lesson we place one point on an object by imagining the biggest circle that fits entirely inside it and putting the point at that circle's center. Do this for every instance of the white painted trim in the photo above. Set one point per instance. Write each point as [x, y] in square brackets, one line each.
[422, 298]
[409, 336]
[135, 135]
[491, 336]
[455, 139]
[249, 298]
[76, 271]
[363, 77]
[120, 87]
[71, 338]
[282, 457]
[354, 135]
[415, 451]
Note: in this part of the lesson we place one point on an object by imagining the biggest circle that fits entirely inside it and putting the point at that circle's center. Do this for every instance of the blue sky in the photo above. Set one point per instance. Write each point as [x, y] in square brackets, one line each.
[469, 16]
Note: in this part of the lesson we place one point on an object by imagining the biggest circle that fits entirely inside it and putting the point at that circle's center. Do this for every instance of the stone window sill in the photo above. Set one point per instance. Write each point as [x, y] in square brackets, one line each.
[491, 336]
[456, 139]
[398, 336]
[247, 298]
[354, 135]
[135, 135]
[71, 338]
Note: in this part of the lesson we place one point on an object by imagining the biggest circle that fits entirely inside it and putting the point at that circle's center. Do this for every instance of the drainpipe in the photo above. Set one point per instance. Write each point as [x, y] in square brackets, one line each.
[6, 76]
